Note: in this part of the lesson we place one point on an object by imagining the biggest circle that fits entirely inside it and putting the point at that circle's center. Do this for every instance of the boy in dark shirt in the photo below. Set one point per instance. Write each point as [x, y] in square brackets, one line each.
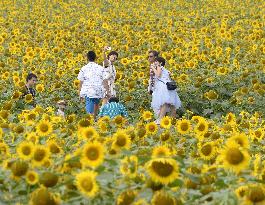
[29, 87]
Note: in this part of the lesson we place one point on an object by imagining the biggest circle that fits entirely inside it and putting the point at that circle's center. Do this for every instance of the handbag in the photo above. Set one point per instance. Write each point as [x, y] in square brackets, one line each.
[172, 85]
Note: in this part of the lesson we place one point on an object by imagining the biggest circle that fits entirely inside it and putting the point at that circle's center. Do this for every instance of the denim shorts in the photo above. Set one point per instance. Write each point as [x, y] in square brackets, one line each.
[90, 103]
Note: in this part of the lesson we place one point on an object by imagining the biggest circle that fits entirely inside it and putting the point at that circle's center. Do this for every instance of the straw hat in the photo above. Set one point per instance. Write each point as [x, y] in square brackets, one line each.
[61, 102]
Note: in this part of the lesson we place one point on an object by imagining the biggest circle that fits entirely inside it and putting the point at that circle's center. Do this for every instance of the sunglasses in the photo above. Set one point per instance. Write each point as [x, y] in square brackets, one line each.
[150, 56]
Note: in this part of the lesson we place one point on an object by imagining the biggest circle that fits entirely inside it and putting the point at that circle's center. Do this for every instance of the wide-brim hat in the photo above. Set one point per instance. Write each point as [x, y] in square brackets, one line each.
[61, 102]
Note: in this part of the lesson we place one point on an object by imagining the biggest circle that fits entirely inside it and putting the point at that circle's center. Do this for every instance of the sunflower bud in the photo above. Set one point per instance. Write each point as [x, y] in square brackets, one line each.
[48, 179]
[19, 168]
[44, 196]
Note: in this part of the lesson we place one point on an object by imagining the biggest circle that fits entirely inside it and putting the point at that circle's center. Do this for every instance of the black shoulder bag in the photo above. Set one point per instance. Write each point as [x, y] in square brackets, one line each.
[170, 85]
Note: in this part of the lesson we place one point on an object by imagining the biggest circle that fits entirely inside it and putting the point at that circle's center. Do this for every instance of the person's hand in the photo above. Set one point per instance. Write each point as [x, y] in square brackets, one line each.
[108, 94]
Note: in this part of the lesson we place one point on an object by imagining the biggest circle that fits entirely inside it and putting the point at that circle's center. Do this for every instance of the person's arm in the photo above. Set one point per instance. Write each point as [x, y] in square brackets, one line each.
[105, 82]
[101, 111]
[106, 61]
[157, 70]
[80, 86]
[81, 78]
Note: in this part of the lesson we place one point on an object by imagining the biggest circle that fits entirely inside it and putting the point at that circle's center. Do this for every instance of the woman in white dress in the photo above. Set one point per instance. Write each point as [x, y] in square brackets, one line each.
[163, 100]
[109, 75]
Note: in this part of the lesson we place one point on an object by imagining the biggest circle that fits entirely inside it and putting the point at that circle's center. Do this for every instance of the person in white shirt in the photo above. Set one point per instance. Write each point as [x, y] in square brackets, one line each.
[109, 75]
[91, 78]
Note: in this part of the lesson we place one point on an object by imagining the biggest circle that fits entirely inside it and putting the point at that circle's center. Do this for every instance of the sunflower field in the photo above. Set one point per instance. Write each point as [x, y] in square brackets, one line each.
[213, 153]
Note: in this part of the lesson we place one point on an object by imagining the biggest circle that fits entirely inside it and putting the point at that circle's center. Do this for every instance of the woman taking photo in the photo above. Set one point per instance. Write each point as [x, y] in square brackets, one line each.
[109, 75]
[163, 100]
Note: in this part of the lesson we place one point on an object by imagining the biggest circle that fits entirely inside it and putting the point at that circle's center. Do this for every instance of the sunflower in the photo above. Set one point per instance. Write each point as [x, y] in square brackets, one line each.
[4, 150]
[25, 150]
[207, 150]
[28, 98]
[44, 128]
[125, 61]
[54, 147]
[42, 194]
[147, 115]
[151, 128]
[119, 120]
[141, 132]
[32, 177]
[230, 118]
[92, 154]
[33, 137]
[234, 157]
[19, 168]
[161, 197]
[89, 133]
[121, 140]
[48, 179]
[85, 122]
[162, 170]
[201, 128]
[16, 95]
[126, 198]
[40, 88]
[129, 166]
[86, 183]
[257, 134]
[165, 136]
[255, 194]
[165, 122]
[40, 155]
[239, 138]
[183, 126]
[160, 151]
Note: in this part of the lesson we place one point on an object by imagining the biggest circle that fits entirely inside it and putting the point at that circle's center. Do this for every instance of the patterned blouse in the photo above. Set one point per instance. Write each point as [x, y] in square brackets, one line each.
[92, 76]
[112, 110]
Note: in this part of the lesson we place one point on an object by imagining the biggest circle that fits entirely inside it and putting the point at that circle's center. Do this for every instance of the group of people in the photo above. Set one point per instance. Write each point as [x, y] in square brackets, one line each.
[97, 83]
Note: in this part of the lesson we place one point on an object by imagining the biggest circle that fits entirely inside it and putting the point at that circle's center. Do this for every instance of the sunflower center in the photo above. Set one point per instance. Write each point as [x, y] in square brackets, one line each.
[89, 134]
[234, 156]
[152, 128]
[118, 120]
[92, 153]
[44, 127]
[84, 123]
[87, 185]
[121, 141]
[256, 194]
[162, 169]
[184, 126]
[39, 155]
[31, 177]
[26, 150]
[258, 134]
[201, 127]
[54, 149]
[206, 149]
[166, 122]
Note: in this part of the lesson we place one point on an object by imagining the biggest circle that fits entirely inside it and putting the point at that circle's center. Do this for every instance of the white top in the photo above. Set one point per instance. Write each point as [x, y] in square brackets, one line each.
[92, 76]
[110, 75]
